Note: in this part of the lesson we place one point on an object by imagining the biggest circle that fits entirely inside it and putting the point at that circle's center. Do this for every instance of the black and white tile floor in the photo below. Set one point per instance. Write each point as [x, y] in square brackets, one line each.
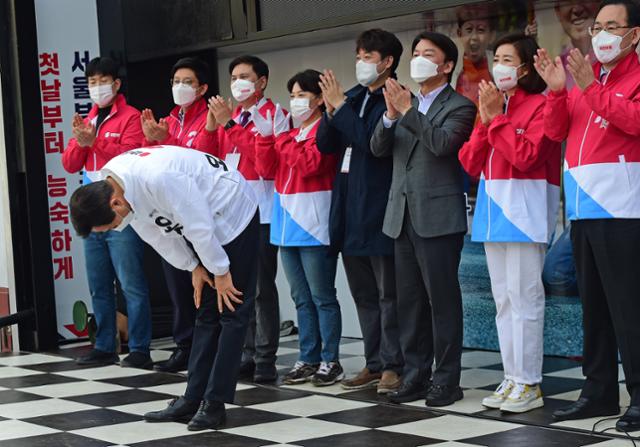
[47, 400]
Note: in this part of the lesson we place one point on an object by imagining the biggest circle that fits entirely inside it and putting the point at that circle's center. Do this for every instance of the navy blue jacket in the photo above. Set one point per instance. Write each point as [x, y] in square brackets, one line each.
[360, 197]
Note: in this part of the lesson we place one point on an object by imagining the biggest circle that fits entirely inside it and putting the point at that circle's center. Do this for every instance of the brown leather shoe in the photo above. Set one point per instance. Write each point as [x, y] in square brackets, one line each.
[364, 379]
[389, 382]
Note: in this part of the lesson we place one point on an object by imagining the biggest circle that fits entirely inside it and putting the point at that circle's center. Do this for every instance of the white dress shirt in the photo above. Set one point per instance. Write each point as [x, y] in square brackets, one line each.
[424, 104]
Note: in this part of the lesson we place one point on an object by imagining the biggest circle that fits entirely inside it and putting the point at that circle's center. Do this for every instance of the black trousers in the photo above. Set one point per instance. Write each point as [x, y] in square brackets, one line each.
[372, 282]
[429, 305]
[184, 311]
[608, 272]
[263, 335]
[218, 337]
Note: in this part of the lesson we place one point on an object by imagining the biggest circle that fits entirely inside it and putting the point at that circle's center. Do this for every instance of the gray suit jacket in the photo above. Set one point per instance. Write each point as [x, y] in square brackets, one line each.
[427, 176]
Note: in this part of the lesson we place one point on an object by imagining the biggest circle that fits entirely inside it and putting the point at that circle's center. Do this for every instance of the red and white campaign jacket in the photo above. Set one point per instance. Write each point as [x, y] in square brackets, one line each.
[303, 183]
[238, 140]
[119, 132]
[519, 168]
[184, 133]
[602, 127]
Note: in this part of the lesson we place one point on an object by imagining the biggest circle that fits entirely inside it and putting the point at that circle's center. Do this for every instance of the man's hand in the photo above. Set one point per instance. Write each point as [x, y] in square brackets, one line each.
[398, 96]
[227, 293]
[221, 109]
[85, 134]
[332, 91]
[391, 113]
[200, 277]
[153, 130]
[580, 68]
[492, 102]
[551, 71]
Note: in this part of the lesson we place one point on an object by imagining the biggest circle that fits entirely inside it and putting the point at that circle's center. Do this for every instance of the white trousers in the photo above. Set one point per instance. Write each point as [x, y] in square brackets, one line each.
[516, 282]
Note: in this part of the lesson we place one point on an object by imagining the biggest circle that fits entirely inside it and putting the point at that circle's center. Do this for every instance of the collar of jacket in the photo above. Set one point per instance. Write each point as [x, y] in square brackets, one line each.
[624, 67]
[119, 102]
[194, 111]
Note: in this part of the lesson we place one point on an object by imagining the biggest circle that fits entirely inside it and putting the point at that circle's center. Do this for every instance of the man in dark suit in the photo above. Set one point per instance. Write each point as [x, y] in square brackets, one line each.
[426, 217]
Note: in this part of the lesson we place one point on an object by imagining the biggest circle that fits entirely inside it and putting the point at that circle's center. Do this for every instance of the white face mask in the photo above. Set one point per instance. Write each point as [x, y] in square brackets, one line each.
[423, 69]
[124, 223]
[606, 46]
[366, 73]
[300, 109]
[183, 95]
[505, 76]
[102, 94]
[242, 89]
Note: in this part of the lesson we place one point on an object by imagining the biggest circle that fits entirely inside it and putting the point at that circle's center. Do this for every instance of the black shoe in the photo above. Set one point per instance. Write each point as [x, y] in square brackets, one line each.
[247, 368]
[211, 414]
[137, 360]
[98, 357]
[300, 373]
[585, 408]
[265, 373]
[178, 361]
[408, 392]
[179, 409]
[630, 421]
[443, 395]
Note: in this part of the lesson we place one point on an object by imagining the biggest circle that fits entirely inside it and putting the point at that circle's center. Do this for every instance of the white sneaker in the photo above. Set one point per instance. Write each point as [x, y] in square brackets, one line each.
[523, 398]
[499, 395]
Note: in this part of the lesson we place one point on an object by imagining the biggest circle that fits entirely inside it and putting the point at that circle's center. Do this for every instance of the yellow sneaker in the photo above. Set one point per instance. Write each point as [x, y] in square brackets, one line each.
[499, 395]
[523, 398]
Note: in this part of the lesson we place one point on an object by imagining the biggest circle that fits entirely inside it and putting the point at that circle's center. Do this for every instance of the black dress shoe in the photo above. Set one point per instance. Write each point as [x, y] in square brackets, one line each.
[265, 373]
[247, 368]
[408, 392]
[179, 409]
[630, 421]
[211, 414]
[443, 395]
[137, 360]
[98, 357]
[179, 361]
[585, 408]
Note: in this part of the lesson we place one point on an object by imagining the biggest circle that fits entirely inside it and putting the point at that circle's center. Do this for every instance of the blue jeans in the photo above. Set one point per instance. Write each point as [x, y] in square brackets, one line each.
[559, 272]
[311, 272]
[112, 255]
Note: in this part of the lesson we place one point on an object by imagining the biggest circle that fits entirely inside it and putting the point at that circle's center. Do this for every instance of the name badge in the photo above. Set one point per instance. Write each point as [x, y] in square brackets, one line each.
[232, 160]
[346, 161]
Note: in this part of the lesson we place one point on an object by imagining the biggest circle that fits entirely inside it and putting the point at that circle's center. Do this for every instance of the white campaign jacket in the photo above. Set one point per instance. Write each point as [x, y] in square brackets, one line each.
[177, 193]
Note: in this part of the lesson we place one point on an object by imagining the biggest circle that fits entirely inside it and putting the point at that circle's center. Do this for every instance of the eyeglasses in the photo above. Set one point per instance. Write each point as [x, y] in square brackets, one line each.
[188, 82]
[595, 29]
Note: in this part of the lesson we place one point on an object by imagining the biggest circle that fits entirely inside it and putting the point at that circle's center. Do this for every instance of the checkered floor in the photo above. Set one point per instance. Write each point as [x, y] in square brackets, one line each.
[47, 400]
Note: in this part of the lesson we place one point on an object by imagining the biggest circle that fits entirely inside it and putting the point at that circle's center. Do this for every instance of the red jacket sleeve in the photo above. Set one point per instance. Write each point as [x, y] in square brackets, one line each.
[556, 116]
[303, 156]
[523, 150]
[130, 138]
[74, 156]
[266, 157]
[473, 154]
[208, 142]
[620, 112]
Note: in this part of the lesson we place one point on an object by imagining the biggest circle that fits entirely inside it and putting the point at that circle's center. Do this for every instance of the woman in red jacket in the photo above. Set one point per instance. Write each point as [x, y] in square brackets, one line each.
[300, 226]
[515, 214]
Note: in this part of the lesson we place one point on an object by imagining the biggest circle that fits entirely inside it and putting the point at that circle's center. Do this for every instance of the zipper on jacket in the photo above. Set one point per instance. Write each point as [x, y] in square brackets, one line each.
[284, 211]
[487, 181]
[584, 139]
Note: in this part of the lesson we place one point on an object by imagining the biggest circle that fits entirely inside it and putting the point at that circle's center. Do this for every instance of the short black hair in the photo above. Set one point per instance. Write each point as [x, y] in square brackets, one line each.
[441, 41]
[90, 207]
[632, 6]
[259, 66]
[527, 47]
[384, 42]
[198, 66]
[308, 80]
[103, 66]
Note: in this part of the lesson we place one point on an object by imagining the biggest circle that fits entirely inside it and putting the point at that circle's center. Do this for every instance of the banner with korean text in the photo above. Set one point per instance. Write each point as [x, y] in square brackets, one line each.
[67, 41]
